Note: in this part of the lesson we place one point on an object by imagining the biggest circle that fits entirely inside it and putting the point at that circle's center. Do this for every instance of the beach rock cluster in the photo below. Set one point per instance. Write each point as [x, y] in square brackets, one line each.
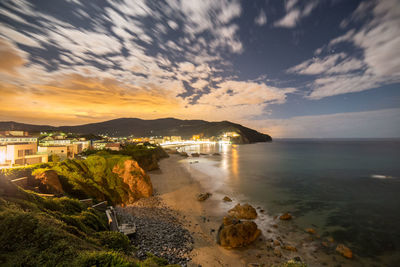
[245, 211]
[158, 231]
[234, 233]
[136, 178]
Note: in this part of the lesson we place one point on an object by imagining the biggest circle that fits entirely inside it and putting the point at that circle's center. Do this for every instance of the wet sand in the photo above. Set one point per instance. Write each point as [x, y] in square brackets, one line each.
[178, 189]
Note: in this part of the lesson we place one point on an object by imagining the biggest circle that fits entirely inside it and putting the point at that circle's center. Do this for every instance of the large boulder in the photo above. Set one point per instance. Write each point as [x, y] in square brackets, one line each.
[49, 182]
[234, 233]
[245, 211]
[136, 178]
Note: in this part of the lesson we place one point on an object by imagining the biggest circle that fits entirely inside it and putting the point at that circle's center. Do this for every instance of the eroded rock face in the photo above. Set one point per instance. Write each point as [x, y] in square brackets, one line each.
[234, 233]
[49, 182]
[136, 178]
[245, 211]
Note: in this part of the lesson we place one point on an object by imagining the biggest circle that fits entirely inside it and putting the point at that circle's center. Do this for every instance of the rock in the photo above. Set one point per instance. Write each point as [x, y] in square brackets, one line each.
[330, 239]
[277, 252]
[286, 216]
[195, 155]
[344, 251]
[203, 196]
[245, 211]
[216, 154]
[136, 178]
[184, 154]
[275, 225]
[325, 244]
[311, 231]
[227, 199]
[234, 233]
[49, 182]
[290, 248]
[277, 243]
[297, 258]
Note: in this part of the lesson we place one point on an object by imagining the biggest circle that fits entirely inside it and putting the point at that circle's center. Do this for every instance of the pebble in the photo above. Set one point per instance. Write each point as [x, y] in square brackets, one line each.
[158, 231]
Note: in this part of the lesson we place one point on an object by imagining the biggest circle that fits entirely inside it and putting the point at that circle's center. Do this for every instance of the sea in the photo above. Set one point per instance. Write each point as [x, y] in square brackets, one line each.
[348, 189]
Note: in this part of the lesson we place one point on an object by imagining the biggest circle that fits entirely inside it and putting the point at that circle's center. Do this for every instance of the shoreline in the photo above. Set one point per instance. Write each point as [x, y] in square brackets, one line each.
[177, 188]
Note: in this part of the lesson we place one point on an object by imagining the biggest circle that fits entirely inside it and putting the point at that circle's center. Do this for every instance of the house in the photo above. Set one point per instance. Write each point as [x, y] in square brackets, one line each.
[20, 154]
[63, 151]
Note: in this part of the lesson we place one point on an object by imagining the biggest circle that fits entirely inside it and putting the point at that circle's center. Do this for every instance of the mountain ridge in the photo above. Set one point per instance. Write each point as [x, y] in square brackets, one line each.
[145, 128]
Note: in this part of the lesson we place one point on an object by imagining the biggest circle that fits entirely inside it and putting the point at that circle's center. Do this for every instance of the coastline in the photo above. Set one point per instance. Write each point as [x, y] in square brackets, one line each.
[177, 187]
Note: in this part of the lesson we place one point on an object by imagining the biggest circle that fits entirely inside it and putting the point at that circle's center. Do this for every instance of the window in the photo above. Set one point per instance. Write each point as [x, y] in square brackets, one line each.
[20, 153]
[28, 152]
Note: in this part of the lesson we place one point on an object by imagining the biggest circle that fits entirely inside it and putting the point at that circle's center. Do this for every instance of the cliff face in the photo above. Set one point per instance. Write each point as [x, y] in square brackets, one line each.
[136, 179]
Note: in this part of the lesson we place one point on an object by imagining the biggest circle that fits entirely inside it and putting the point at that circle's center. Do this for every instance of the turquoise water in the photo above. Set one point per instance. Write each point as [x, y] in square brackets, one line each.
[349, 189]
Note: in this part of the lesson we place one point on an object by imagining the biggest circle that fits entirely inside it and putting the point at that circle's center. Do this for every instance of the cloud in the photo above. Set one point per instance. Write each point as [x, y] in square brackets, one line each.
[294, 13]
[11, 57]
[366, 124]
[378, 39]
[261, 19]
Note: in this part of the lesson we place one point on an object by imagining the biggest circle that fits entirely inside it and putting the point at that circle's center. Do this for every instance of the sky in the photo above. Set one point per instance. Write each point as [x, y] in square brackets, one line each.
[315, 68]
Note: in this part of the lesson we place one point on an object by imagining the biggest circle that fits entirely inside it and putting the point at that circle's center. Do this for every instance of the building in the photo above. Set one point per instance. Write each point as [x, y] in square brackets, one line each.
[21, 154]
[4, 140]
[64, 152]
[113, 146]
[14, 133]
[54, 141]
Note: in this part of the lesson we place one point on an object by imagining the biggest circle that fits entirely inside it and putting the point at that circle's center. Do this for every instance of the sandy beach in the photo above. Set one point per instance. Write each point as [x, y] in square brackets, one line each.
[177, 189]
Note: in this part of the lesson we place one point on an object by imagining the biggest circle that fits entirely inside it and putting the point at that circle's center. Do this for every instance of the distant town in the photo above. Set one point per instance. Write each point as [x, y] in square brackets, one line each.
[19, 148]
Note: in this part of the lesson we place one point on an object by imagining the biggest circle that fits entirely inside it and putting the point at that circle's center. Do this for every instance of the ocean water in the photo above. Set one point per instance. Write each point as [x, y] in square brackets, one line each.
[347, 189]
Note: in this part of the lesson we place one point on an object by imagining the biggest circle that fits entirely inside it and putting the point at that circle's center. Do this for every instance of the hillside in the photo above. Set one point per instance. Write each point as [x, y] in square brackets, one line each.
[158, 127]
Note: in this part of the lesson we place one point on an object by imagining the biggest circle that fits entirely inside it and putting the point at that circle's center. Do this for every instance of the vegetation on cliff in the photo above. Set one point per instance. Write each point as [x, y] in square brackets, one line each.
[146, 155]
[58, 232]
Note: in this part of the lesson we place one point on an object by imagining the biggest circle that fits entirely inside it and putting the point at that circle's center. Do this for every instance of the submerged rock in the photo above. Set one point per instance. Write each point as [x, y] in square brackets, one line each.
[286, 216]
[184, 154]
[203, 196]
[234, 233]
[277, 252]
[195, 155]
[227, 199]
[344, 251]
[245, 211]
[290, 248]
[216, 154]
[136, 178]
[49, 182]
[311, 231]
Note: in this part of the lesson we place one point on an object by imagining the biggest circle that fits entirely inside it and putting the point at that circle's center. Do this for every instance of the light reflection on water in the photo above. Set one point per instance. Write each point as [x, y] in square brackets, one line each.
[327, 184]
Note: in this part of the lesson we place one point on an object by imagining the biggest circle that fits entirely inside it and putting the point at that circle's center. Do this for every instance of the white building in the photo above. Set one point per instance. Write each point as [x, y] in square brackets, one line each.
[21, 154]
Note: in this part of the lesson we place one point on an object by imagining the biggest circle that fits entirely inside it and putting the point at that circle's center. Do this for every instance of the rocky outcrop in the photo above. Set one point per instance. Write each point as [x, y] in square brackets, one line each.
[245, 211]
[234, 233]
[203, 196]
[227, 199]
[286, 216]
[344, 251]
[49, 182]
[138, 181]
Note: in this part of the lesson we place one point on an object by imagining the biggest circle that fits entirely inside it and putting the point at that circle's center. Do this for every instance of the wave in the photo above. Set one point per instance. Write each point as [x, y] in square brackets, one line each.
[381, 176]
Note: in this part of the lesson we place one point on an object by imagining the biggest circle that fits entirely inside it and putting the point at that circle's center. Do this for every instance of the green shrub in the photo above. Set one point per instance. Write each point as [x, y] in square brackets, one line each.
[114, 241]
[103, 258]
